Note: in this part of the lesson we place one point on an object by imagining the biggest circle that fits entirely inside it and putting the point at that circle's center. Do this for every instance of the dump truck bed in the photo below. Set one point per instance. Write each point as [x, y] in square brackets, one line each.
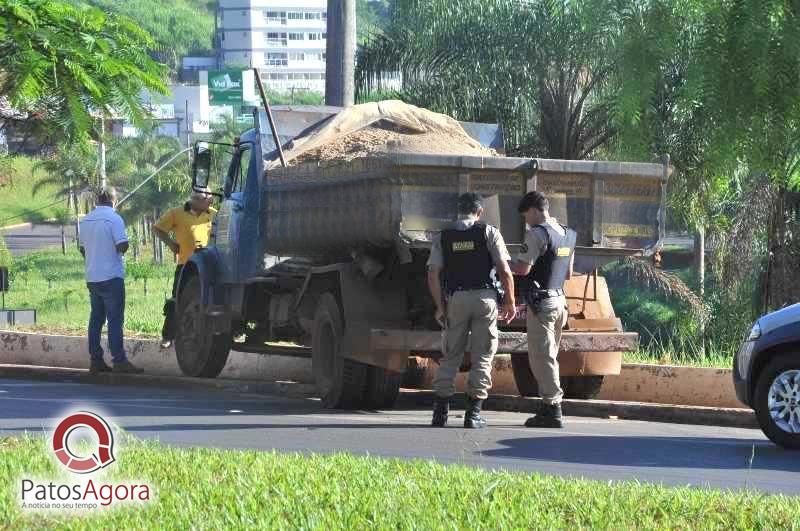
[318, 210]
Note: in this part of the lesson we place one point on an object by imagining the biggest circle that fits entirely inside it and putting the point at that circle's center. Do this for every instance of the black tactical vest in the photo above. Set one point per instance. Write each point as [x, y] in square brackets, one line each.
[467, 262]
[551, 268]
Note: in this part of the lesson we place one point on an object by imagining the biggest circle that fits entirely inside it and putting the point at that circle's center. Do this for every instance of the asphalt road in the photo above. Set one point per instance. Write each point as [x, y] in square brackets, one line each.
[671, 454]
[28, 238]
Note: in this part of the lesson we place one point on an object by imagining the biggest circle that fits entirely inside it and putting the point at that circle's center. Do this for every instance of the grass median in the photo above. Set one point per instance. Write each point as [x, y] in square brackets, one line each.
[222, 489]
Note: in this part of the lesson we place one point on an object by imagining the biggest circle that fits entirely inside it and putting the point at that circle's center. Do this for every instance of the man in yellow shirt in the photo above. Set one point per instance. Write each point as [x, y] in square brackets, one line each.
[191, 226]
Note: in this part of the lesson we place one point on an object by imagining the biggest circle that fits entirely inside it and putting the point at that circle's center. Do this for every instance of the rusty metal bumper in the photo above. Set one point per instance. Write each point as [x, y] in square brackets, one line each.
[421, 342]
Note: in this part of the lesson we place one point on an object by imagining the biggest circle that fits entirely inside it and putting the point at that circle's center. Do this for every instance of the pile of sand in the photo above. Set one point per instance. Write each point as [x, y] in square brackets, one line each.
[375, 129]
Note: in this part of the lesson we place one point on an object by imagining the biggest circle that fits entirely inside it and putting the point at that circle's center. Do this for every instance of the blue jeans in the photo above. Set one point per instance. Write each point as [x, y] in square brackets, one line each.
[108, 304]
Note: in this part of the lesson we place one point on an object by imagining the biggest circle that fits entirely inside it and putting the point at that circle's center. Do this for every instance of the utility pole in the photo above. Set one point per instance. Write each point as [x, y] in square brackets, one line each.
[341, 48]
[101, 146]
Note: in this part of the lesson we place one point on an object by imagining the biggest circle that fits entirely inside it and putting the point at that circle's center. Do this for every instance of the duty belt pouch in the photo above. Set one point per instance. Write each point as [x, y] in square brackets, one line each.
[534, 302]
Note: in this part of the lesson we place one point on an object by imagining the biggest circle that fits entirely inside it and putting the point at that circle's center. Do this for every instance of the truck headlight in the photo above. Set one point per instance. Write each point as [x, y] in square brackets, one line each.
[755, 333]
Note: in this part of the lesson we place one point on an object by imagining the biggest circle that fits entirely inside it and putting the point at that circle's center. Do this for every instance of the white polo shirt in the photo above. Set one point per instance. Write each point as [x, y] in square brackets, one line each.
[101, 231]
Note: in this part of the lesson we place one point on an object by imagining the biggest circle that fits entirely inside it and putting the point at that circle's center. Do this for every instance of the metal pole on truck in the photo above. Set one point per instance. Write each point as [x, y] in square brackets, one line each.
[269, 116]
[167, 163]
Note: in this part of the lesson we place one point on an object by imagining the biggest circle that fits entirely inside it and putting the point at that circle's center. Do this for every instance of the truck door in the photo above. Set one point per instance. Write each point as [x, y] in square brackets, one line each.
[229, 217]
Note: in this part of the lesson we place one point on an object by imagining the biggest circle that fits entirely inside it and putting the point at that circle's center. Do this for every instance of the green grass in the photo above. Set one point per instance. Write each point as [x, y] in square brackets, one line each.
[18, 204]
[223, 489]
[54, 285]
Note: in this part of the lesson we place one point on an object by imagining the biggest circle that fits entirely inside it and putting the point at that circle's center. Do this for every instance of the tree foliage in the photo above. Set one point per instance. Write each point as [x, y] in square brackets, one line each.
[73, 62]
[178, 27]
[542, 69]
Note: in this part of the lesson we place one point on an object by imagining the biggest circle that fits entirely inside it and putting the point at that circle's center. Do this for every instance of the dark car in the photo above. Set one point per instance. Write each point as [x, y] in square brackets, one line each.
[766, 374]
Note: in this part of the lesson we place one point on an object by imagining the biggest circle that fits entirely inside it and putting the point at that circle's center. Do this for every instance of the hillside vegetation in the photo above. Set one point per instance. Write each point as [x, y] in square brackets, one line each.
[180, 27]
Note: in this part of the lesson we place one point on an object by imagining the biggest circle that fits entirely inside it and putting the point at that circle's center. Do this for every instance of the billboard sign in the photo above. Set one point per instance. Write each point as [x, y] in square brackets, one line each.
[225, 87]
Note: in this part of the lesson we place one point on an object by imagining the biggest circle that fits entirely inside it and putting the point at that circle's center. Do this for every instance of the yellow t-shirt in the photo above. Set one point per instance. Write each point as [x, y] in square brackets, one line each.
[191, 231]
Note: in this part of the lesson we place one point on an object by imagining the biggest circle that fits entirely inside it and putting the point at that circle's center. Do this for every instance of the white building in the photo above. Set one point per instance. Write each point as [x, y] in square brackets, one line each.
[285, 39]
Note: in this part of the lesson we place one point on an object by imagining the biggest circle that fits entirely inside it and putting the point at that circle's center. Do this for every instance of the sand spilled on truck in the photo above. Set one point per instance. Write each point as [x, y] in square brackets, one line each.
[375, 129]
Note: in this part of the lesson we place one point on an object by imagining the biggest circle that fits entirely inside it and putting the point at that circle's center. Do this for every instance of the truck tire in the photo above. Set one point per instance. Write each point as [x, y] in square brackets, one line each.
[526, 383]
[340, 382]
[781, 423]
[414, 375]
[383, 386]
[200, 353]
[581, 387]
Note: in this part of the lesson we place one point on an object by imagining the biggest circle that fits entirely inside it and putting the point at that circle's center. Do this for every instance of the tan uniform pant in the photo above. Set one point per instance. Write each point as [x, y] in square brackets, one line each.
[544, 337]
[469, 312]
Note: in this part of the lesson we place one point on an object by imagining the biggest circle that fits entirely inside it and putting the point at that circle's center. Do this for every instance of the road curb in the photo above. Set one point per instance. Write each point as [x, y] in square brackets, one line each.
[409, 398]
[287, 389]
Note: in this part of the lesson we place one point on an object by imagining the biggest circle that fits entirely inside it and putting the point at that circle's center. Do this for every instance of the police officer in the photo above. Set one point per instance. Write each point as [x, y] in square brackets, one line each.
[546, 259]
[460, 280]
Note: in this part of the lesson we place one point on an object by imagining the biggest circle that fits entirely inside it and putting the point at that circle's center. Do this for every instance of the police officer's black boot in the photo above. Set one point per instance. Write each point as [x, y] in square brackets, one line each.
[548, 416]
[472, 416]
[441, 408]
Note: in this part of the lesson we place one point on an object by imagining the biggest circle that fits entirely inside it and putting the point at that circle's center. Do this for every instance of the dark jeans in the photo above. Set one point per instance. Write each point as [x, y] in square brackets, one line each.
[168, 330]
[108, 304]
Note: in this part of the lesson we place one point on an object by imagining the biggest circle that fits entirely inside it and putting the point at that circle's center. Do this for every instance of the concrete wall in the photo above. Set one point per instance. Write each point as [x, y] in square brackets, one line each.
[69, 351]
[637, 383]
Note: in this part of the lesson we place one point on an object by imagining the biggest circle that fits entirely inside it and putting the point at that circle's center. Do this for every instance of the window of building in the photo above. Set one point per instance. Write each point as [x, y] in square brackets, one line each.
[324, 36]
[294, 15]
[277, 59]
[314, 36]
[296, 36]
[297, 56]
[275, 16]
[313, 16]
[276, 39]
[324, 15]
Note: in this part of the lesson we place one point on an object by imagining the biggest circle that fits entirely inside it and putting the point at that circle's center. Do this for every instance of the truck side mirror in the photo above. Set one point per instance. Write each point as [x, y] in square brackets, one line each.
[201, 166]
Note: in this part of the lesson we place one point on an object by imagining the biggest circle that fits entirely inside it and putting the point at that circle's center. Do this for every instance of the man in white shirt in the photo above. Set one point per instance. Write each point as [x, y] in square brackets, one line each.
[103, 242]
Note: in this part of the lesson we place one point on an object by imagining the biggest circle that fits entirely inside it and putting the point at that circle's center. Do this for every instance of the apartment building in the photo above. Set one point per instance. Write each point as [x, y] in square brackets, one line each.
[285, 39]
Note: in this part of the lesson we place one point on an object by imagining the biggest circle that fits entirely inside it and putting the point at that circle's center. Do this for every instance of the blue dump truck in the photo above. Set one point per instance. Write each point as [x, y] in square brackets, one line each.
[326, 258]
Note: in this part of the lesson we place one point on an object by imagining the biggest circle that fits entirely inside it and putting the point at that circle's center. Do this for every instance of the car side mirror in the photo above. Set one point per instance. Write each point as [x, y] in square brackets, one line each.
[201, 166]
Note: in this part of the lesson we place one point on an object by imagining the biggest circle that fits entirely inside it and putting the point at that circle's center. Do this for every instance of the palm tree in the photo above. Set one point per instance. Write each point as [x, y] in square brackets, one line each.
[540, 68]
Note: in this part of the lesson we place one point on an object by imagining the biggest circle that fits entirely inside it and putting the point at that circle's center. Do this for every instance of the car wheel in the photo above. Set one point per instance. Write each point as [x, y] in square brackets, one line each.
[777, 401]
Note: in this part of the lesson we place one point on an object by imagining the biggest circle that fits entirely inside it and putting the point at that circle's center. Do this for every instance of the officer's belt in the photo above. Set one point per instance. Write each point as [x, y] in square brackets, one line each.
[450, 291]
[547, 293]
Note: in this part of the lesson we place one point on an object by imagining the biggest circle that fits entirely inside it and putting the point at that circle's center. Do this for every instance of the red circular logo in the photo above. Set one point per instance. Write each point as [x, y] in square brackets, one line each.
[102, 456]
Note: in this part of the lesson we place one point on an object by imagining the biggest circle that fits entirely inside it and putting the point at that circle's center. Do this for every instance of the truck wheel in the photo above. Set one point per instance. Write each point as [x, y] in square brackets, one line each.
[340, 382]
[777, 401]
[200, 353]
[581, 387]
[383, 386]
[526, 383]
[414, 375]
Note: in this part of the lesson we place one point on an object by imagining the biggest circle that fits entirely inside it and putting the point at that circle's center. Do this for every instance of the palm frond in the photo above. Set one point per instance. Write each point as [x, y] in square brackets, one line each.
[647, 276]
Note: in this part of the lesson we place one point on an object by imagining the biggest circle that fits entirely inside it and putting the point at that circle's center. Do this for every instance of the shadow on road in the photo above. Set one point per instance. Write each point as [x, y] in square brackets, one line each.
[661, 452]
